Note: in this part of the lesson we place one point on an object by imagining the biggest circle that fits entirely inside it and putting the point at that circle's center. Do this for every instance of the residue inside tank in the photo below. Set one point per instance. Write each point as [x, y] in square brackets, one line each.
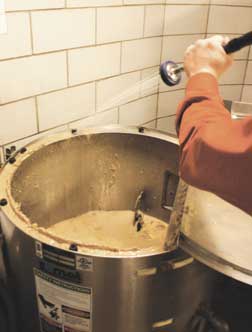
[111, 230]
[106, 233]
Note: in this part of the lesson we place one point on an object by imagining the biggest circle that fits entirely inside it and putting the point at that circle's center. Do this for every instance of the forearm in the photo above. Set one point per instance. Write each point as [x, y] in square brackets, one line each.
[216, 152]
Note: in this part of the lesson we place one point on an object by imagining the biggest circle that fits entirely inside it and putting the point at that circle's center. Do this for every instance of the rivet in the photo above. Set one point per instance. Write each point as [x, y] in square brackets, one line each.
[3, 202]
[73, 247]
[12, 160]
[23, 150]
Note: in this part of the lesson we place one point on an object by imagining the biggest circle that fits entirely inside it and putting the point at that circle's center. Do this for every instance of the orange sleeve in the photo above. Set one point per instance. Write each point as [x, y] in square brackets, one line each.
[215, 151]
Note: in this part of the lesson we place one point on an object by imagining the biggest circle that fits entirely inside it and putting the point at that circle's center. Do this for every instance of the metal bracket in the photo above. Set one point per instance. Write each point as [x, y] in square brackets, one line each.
[170, 186]
[240, 110]
[173, 233]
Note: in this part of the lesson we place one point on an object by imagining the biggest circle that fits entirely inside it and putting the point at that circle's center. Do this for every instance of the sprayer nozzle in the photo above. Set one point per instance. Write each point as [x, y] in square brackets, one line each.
[170, 73]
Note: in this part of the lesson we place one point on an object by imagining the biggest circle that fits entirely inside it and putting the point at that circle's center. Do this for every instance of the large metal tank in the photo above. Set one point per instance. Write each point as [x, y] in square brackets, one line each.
[66, 290]
[218, 234]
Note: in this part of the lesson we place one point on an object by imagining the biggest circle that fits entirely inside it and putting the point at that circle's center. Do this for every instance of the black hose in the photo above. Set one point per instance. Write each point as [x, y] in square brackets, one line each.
[237, 44]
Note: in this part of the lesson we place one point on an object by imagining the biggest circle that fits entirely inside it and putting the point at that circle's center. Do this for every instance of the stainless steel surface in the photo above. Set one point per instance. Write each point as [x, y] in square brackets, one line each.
[169, 190]
[173, 234]
[174, 71]
[240, 110]
[217, 234]
[105, 168]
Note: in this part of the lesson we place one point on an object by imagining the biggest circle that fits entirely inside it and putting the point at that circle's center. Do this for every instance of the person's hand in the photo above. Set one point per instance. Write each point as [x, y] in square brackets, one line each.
[207, 56]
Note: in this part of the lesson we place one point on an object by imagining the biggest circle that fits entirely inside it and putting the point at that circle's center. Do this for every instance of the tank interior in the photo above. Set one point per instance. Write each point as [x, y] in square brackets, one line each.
[94, 172]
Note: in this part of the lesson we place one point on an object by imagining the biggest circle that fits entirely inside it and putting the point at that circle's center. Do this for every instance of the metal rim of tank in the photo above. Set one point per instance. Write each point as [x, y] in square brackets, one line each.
[20, 220]
[216, 263]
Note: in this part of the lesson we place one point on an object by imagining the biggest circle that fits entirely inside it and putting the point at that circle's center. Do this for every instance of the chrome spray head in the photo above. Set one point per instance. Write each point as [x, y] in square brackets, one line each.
[171, 73]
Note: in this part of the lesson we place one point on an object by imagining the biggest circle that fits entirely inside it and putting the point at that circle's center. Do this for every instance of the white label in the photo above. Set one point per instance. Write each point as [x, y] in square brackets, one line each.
[84, 263]
[63, 307]
[39, 249]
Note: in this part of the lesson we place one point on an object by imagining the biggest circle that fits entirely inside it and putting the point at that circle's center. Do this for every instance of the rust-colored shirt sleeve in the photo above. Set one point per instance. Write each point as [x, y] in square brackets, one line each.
[216, 151]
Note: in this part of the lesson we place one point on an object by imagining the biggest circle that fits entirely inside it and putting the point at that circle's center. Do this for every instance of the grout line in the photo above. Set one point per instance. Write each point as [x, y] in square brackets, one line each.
[144, 22]
[107, 44]
[121, 53]
[161, 54]
[31, 34]
[96, 95]
[96, 26]
[160, 118]
[98, 80]
[76, 120]
[128, 5]
[208, 17]
[111, 6]
[78, 48]
[75, 85]
[37, 113]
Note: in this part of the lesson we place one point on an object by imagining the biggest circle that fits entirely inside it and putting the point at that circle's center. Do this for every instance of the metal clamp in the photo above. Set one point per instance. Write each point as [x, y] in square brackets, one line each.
[12, 157]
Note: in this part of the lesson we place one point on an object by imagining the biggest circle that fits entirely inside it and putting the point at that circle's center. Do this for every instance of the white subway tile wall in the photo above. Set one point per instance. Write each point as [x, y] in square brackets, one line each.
[17, 42]
[168, 102]
[174, 46]
[229, 19]
[190, 19]
[64, 106]
[119, 23]
[19, 120]
[141, 53]
[14, 5]
[154, 20]
[93, 63]
[117, 90]
[93, 3]
[62, 29]
[29, 76]
[247, 94]
[139, 111]
[77, 63]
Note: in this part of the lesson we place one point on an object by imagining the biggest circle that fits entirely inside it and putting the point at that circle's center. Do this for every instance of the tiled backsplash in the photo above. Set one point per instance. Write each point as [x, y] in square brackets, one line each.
[79, 63]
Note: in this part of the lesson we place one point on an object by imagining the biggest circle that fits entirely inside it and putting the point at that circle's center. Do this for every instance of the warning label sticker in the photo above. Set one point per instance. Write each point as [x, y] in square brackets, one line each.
[63, 258]
[63, 307]
[84, 263]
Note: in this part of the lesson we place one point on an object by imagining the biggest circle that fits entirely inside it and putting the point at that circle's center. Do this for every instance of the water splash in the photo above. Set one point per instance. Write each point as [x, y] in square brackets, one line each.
[141, 88]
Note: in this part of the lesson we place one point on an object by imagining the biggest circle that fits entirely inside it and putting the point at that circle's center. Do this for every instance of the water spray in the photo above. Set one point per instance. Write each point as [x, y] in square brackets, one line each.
[171, 72]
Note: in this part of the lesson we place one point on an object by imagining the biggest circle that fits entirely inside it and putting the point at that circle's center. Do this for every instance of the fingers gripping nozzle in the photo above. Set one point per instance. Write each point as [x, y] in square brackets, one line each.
[171, 73]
